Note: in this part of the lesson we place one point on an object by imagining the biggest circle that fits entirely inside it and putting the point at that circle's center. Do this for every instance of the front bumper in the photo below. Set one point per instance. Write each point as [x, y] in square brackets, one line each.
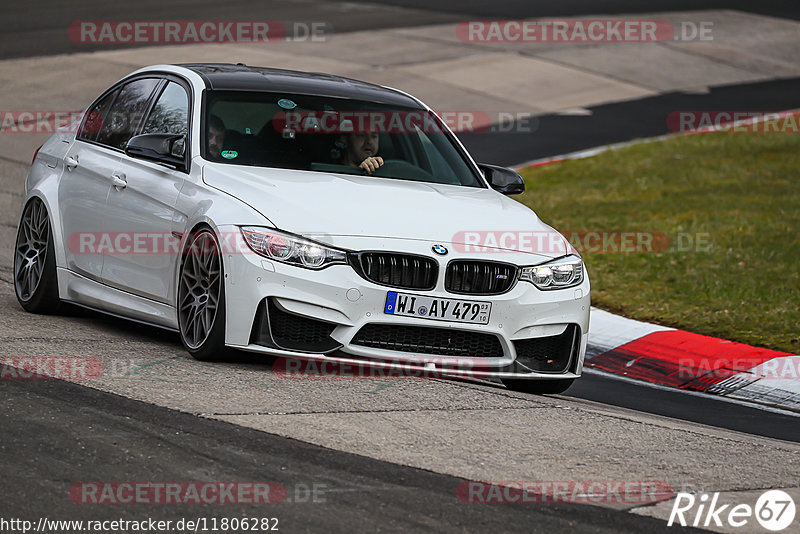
[340, 297]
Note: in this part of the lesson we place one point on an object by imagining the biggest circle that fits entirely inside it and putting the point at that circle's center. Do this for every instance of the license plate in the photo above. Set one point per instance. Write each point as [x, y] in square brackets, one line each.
[460, 311]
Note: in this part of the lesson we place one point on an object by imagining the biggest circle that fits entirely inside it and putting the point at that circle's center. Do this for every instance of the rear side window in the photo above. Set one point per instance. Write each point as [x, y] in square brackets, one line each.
[95, 118]
[171, 112]
[126, 113]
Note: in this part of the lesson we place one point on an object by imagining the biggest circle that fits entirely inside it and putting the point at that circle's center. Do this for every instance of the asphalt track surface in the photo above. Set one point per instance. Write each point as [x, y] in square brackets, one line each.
[92, 436]
[605, 124]
[572, 8]
[99, 436]
[36, 28]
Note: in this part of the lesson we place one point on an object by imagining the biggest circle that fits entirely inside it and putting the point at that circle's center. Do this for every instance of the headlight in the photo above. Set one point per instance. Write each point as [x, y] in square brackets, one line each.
[291, 249]
[558, 274]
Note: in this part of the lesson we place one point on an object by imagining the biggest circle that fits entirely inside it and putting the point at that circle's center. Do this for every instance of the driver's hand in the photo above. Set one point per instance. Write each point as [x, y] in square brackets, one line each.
[371, 164]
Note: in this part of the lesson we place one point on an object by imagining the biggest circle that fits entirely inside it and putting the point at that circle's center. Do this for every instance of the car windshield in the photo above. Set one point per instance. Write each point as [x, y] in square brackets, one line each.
[326, 134]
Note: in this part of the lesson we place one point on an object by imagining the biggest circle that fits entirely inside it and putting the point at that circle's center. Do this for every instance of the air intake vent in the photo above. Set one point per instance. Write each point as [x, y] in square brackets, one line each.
[425, 340]
[275, 327]
[550, 354]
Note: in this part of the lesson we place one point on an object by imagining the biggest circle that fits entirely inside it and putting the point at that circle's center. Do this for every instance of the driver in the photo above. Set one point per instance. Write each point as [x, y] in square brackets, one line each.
[216, 137]
[360, 149]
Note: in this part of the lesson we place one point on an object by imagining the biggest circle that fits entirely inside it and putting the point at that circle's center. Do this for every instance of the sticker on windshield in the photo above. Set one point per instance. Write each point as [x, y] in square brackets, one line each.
[285, 103]
[230, 154]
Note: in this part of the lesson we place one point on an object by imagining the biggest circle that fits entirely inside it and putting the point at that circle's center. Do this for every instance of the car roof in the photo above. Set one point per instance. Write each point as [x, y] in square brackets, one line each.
[241, 77]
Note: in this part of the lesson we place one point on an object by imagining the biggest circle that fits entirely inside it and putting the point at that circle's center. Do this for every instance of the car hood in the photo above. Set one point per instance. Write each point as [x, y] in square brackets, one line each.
[326, 205]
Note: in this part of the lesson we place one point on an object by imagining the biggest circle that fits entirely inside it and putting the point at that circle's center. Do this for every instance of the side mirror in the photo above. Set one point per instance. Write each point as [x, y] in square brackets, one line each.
[503, 180]
[168, 149]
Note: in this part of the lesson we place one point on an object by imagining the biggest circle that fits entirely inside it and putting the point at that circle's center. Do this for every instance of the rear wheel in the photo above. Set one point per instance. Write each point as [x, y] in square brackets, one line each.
[201, 298]
[35, 278]
[539, 387]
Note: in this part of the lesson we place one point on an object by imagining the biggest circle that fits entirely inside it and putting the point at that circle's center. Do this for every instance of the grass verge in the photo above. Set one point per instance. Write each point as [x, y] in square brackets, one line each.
[729, 203]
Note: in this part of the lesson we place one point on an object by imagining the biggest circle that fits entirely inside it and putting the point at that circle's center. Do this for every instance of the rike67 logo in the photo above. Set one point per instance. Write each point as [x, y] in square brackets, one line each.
[774, 510]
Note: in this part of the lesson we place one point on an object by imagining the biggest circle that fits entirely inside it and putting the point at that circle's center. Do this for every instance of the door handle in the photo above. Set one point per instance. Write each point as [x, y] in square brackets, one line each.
[71, 162]
[118, 179]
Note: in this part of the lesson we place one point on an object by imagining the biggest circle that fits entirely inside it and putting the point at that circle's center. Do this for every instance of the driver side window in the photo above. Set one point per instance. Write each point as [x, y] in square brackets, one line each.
[126, 113]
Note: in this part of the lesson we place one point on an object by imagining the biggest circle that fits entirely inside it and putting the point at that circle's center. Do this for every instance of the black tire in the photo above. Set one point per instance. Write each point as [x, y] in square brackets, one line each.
[539, 387]
[35, 278]
[201, 281]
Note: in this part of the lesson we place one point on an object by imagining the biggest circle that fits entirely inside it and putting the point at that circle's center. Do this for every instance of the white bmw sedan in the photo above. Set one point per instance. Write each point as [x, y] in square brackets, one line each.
[300, 215]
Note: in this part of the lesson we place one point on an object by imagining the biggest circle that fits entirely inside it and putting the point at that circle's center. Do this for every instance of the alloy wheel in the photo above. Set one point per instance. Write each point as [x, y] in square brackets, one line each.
[199, 290]
[31, 249]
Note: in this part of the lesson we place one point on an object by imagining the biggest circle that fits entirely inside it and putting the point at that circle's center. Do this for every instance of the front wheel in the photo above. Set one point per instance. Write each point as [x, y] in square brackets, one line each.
[35, 278]
[201, 298]
[539, 387]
